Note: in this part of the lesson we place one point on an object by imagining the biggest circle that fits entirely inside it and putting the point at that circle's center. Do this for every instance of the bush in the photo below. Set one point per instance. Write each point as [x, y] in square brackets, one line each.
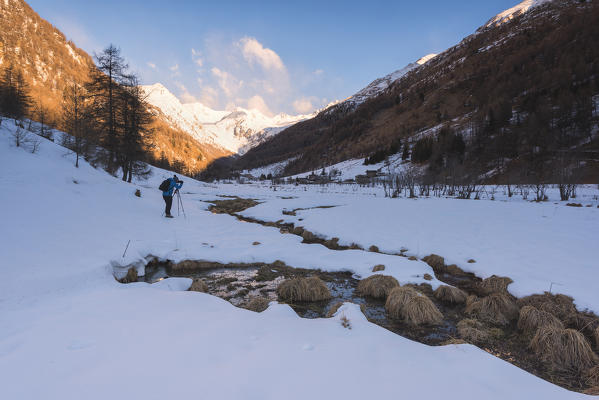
[198, 285]
[531, 319]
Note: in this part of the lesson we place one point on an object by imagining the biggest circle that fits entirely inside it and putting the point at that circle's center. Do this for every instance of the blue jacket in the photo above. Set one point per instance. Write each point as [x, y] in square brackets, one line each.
[171, 187]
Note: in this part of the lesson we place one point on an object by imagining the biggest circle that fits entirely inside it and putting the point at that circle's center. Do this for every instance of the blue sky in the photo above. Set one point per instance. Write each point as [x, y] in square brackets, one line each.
[278, 56]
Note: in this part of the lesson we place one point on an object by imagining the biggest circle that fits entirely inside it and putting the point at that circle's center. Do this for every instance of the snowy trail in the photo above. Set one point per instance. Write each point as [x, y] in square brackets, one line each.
[69, 330]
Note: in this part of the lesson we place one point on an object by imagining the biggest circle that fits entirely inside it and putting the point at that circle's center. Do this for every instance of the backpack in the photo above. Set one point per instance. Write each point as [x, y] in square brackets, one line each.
[165, 185]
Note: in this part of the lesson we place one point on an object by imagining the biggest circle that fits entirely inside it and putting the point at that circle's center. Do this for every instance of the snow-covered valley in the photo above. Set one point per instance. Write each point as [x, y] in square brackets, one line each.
[71, 328]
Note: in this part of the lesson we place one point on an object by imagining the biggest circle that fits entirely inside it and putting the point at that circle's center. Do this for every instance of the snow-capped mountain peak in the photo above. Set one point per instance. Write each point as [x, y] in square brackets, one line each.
[513, 12]
[236, 131]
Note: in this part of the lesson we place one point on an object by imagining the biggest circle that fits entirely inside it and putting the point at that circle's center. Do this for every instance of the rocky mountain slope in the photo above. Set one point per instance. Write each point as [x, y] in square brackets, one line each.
[515, 97]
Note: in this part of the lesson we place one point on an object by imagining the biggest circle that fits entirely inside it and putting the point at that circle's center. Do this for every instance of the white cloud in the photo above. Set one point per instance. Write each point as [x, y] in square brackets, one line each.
[303, 105]
[318, 72]
[209, 97]
[254, 52]
[184, 94]
[175, 70]
[152, 65]
[196, 56]
[258, 103]
[227, 82]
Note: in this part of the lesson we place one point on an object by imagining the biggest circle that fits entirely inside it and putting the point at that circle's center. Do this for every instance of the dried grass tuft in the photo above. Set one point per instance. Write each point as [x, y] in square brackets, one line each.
[334, 309]
[594, 391]
[435, 261]
[377, 286]
[495, 284]
[563, 349]
[531, 319]
[427, 277]
[560, 305]
[411, 306]
[450, 294]
[592, 377]
[473, 331]
[257, 304]
[596, 336]
[131, 276]
[397, 298]
[374, 249]
[421, 310]
[198, 285]
[496, 308]
[303, 289]
[377, 268]
[413, 258]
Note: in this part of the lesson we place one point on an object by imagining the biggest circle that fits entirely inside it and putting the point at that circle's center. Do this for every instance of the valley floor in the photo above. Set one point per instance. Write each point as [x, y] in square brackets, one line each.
[69, 330]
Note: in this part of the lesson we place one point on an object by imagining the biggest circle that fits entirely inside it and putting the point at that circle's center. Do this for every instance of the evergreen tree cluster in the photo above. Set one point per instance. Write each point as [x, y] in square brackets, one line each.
[14, 98]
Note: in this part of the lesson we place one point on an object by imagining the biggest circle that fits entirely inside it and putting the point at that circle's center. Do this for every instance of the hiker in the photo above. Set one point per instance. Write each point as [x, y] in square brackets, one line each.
[169, 187]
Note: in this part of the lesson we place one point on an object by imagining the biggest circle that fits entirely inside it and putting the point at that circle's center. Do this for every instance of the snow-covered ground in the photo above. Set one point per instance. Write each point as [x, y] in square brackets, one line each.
[69, 330]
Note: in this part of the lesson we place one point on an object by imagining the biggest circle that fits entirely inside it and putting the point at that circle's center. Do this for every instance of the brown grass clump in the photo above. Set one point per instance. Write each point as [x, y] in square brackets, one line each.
[453, 341]
[413, 258]
[454, 270]
[559, 305]
[334, 309]
[377, 268]
[130, 277]
[531, 319]
[303, 289]
[377, 286]
[257, 304]
[497, 308]
[564, 349]
[471, 261]
[373, 249]
[450, 294]
[592, 377]
[308, 236]
[411, 306]
[427, 277]
[435, 261]
[198, 285]
[594, 391]
[596, 336]
[495, 284]
[473, 331]
[421, 310]
[397, 298]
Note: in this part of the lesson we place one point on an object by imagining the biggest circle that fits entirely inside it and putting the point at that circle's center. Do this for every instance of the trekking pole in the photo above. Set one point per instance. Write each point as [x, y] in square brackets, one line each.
[180, 205]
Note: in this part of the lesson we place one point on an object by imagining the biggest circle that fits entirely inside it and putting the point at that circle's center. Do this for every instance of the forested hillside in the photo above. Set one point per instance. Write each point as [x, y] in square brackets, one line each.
[515, 101]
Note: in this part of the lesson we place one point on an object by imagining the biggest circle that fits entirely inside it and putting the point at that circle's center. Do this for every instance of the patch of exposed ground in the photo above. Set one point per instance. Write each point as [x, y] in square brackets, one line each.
[246, 285]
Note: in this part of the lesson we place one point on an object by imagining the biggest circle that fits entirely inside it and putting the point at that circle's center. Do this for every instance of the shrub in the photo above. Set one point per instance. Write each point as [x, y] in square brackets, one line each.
[303, 289]
[137, 193]
[531, 319]
[427, 277]
[377, 286]
[450, 294]
[563, 349]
